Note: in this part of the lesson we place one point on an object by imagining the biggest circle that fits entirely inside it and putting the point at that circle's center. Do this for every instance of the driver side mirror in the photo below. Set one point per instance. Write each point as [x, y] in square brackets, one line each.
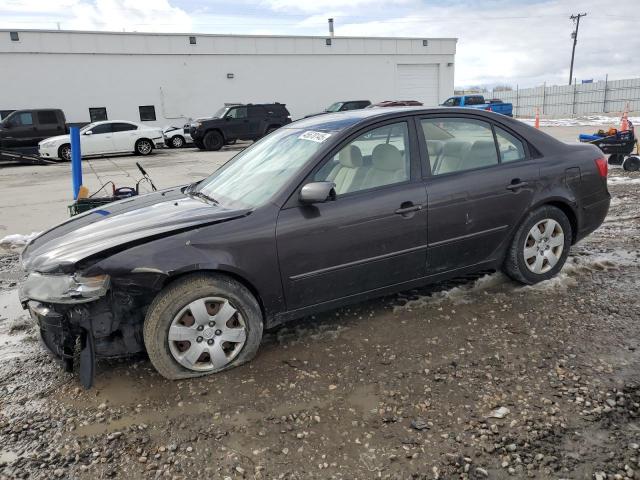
[317, 192]
[88, 132]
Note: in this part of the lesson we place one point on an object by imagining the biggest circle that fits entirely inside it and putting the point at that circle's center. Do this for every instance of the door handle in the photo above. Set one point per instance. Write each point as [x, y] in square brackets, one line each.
[408, 208]
[516, 185]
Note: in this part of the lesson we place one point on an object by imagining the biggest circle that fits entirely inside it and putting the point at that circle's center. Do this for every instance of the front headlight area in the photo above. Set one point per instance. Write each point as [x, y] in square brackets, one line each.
[47, 144]
[49, 288]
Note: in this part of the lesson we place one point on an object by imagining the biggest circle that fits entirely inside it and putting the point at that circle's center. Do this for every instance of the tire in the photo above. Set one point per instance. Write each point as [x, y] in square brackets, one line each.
[552, 224]
[64, 152]
[177, 141]
[143, 147]
[213, 141]
[198, 144]
[172, 308]
[631, 164]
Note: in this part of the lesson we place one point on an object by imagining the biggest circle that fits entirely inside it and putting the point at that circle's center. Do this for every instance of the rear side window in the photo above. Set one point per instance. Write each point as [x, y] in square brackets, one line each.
[257, 111]
[511, 149]
[47, 117]
[474, 101]
[278, 110]
[457, 144]
[123, 127]
[147, 113]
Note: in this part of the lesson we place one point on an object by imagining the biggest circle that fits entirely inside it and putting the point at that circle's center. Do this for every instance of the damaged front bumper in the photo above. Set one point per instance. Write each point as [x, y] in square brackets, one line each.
[108, 327]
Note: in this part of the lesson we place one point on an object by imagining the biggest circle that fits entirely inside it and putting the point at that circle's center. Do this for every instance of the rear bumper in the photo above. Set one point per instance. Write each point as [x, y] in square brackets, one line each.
[592, 216]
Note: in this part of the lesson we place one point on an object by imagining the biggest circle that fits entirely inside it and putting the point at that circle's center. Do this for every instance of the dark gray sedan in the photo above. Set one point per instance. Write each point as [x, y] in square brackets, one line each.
[324, 212]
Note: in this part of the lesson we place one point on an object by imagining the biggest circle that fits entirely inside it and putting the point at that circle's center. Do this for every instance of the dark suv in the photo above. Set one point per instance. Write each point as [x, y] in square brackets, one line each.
[238, 122]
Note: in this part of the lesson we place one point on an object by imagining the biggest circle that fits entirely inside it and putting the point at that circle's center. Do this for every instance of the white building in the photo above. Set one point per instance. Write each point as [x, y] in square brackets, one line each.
[187, 76]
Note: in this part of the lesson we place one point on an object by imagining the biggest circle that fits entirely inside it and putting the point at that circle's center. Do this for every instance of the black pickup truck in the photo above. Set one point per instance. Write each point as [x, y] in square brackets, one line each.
[238, 122]
[22, 130]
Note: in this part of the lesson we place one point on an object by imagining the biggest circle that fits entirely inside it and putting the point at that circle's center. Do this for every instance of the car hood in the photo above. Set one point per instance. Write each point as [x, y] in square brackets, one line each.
[112, 227]
[58, 138]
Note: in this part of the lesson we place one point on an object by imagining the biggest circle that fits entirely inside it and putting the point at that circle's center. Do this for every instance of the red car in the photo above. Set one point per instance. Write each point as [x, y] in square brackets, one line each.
[397, 103]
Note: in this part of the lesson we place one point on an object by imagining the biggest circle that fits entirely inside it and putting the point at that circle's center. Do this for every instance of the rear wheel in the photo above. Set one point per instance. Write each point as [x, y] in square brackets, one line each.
[202, 324]
[143, 147]
[631, 164]
[64, 152]
[213, 141]
[540, 246]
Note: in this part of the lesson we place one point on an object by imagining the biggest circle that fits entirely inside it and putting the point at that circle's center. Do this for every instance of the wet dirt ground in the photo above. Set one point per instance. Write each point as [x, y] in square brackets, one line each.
[480, 378]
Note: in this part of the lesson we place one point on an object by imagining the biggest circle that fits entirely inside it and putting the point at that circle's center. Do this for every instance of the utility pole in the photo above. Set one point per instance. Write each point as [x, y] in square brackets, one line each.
[574, 35]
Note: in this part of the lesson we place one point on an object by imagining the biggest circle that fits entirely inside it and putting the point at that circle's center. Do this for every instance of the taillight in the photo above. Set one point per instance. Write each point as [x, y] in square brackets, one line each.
[603, 166]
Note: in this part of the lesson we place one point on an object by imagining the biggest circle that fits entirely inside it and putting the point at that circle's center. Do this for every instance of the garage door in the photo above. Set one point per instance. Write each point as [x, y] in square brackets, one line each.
[418, 82]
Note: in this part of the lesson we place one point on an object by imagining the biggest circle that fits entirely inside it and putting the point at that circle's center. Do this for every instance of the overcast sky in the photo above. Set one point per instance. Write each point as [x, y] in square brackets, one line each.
[517, 42]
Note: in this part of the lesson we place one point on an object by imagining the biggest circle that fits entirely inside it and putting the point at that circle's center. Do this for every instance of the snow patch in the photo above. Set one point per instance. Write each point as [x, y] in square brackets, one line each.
[586, 121]
[622, 180]
[17, 240]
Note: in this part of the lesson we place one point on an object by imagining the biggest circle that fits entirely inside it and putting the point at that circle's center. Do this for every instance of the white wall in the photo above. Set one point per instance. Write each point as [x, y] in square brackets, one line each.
[305, 74]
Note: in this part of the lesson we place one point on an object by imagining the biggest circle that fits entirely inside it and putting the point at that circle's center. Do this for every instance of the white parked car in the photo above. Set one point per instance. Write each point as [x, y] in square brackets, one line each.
[177, 137]
[105, 138]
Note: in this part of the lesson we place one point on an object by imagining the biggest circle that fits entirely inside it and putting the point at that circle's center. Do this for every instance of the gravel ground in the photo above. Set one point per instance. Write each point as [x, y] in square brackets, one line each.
[480, 378]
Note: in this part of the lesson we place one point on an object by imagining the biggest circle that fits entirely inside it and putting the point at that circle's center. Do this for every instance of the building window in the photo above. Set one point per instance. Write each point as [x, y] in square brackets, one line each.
[192, 40]
[147, 113]
[97, 114]
[328, 41]
[425, 43]
[14, 36]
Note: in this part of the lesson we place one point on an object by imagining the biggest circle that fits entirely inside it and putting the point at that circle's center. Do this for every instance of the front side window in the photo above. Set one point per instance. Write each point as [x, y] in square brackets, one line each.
[511, 149]
[23, 119]
[239, 112]
[458, 144]
[376, 158]
[100, 129]
[453, 102]
[260, 171]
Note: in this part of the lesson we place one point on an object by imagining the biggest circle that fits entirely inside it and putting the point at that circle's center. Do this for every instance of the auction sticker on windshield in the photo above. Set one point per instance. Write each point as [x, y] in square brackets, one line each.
[314, 136]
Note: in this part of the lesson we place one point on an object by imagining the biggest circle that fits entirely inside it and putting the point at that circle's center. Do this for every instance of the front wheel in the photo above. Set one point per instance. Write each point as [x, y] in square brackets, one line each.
[202, 324]
[176, 142]
[540, 246]
[213, 141]
[143, 147]
[64, 152]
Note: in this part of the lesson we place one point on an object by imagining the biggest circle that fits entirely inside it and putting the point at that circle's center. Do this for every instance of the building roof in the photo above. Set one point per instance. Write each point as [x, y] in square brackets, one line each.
[150, 43]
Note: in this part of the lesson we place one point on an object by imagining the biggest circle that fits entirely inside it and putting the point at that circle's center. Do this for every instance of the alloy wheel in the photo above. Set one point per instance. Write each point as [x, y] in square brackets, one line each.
[543, 246]
[65, 152]
[144, 147]
[207, 334]
[177, 142]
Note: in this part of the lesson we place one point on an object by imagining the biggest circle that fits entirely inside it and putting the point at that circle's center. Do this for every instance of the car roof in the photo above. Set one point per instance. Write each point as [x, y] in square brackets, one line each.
[336, 122]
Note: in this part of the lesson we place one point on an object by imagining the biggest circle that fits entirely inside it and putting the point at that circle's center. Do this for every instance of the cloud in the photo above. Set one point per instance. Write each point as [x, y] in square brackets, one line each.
[518, 42]
[116, 15]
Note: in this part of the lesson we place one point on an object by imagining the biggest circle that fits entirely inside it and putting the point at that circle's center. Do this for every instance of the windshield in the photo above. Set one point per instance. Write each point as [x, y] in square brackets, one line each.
[220, 113]
[260, 171]
[335, 107]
